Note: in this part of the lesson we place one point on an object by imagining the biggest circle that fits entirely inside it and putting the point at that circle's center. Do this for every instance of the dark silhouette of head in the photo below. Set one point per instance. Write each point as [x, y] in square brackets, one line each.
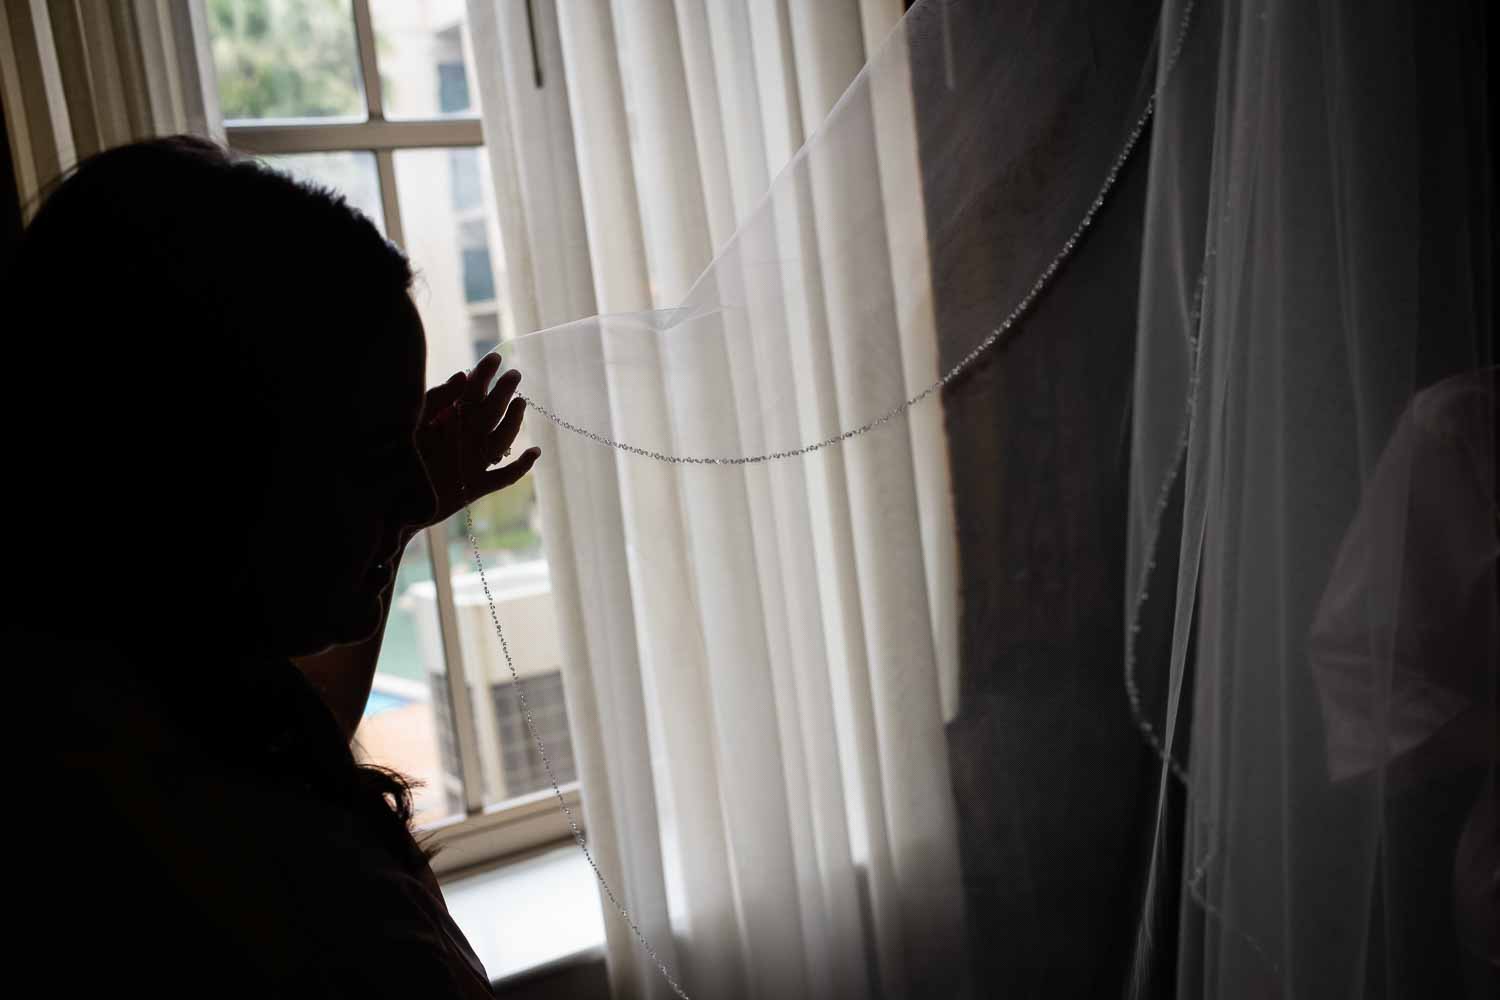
[215, 377]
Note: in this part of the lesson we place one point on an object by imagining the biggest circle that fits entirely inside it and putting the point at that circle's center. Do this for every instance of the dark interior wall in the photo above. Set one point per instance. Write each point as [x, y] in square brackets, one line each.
[1054, 785]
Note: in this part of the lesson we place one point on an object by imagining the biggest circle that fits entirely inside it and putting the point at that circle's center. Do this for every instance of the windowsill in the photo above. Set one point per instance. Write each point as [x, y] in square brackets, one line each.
[518, 828]
[525, 916]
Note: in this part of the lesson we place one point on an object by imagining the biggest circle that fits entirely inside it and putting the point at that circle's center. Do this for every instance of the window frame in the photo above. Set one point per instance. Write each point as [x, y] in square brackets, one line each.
[485, 834]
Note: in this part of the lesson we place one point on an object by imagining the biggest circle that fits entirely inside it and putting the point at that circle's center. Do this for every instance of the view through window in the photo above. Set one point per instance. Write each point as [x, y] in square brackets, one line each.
[401, 142]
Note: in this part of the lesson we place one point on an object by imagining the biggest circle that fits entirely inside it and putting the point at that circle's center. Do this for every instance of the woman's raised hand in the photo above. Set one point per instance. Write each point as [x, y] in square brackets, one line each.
[467, 427]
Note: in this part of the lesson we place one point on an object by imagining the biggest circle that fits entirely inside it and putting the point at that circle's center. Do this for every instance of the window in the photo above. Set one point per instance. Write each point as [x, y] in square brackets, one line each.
[522, 768]
[372, 99]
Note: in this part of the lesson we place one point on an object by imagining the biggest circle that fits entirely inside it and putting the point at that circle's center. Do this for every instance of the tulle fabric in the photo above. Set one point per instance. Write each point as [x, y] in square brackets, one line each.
[1313, 499]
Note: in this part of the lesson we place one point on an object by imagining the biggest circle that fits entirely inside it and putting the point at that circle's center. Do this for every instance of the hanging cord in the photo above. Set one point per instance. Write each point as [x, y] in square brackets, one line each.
[536, 736]
[996, 336]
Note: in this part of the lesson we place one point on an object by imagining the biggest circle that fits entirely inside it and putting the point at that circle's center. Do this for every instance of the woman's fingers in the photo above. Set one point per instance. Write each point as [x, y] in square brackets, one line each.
[501, 438]
[493, 407]
[507, 475]
[486, 406]
[439, 398]
[479, 380]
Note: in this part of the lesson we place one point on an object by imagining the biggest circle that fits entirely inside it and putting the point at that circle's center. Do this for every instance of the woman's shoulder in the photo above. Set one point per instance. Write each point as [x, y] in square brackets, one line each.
[351, 910]
[255, 910]
[215, 848]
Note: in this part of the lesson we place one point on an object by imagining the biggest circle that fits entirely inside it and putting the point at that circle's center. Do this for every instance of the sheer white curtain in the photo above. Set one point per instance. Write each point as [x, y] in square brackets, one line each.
[758, 657]
[80, 77]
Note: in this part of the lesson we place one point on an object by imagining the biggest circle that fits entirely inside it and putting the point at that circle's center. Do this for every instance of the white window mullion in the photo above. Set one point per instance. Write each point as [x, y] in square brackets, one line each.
[464, 729]
[272, 138]
[390, 206]
[369, 66]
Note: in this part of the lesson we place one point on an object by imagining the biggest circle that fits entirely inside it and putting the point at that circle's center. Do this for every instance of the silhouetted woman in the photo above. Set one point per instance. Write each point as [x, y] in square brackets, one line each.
[219, 443]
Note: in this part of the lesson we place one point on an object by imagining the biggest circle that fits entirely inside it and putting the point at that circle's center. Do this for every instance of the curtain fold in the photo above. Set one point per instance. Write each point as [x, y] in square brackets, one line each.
[83, 77]
[762, 744]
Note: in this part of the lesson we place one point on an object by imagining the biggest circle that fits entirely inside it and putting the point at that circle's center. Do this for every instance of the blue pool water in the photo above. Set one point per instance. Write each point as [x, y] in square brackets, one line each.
[383, 701]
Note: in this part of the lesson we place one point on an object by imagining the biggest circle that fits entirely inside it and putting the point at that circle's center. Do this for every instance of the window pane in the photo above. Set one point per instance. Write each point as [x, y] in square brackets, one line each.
[515, 567]
[286, 59]
[423, 52]
[353, 175]
[448, 221]
[448, 217]
[408, 721]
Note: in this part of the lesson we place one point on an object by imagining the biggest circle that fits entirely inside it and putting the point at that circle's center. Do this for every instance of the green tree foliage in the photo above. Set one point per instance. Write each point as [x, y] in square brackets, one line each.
[285, 58]
[503, 521]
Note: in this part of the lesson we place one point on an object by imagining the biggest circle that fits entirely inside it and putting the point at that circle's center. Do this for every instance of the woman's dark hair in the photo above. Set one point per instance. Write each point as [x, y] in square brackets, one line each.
[165, 301]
